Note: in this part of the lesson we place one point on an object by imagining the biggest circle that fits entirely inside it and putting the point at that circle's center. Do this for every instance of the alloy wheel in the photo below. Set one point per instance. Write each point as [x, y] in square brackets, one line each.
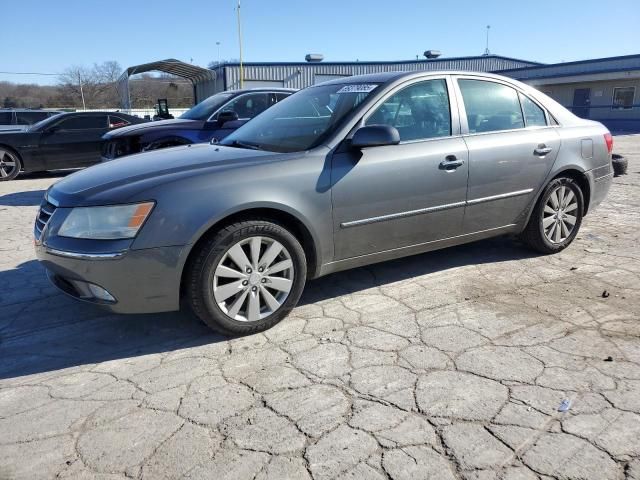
[8, 163]
[559, 214]
[253, 279]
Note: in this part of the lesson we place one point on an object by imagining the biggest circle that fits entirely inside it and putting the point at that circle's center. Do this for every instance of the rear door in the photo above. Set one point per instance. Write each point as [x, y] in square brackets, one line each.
[397, 196]
[74, 142]
[512, 147]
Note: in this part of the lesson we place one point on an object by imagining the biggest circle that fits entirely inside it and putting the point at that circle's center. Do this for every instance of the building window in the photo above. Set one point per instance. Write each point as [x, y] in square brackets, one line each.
[623, 98]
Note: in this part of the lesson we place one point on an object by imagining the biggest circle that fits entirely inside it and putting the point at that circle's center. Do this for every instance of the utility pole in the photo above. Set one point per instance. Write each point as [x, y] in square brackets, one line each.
[218, 68]
[240, 42]
[486, 50]
[84, 107]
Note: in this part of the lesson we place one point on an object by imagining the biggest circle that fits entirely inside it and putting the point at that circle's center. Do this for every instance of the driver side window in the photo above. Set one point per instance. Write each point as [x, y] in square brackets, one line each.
[247, 106]
[418, 112]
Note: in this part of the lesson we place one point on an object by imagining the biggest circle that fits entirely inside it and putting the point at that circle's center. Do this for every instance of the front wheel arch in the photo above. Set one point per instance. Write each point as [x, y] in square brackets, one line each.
[166, 142]
[280, 217]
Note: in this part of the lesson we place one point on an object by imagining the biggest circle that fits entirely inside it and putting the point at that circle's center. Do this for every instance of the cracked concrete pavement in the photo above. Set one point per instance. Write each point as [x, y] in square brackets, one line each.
[448, 365]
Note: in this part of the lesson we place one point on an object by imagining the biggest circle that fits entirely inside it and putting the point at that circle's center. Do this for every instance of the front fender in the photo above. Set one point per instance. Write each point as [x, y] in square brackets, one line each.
[186, 209]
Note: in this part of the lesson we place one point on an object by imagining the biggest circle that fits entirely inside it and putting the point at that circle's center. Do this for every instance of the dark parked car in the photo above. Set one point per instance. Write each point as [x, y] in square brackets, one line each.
[339, 175]
[21, 118]
[216, 117]
[66, 140]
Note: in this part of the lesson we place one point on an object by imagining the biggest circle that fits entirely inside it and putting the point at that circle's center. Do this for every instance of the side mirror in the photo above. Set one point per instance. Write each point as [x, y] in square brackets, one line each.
[224, 117]
[375, 136]
[53, 129]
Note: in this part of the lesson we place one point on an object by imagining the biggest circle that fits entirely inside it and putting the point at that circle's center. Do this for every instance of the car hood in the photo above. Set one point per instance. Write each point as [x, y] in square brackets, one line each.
[128, 178]
[141, 128]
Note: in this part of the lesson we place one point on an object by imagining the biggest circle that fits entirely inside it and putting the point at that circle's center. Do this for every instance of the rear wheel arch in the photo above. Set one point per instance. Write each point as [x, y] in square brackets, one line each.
[285, 219]
[581, 179]
[18, 157]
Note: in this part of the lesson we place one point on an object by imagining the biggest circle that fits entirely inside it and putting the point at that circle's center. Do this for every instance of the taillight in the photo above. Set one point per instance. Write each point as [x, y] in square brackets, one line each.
[609, 141]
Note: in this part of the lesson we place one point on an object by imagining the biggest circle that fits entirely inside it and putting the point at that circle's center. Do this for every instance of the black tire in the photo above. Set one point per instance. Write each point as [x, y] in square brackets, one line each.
[533, 234]
[199, 276]
[620, 165]
[6, 173]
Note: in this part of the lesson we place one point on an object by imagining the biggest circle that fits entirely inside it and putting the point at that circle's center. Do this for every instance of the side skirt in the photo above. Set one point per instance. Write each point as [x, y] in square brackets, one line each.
[394, 253]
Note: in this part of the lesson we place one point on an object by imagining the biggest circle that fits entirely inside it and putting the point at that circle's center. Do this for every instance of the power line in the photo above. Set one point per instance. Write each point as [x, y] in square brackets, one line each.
[31, 73]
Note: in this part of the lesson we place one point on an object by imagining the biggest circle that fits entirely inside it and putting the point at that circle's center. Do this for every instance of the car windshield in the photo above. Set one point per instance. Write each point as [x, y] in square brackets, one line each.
[36, 127]
[205, 109]
[303, 120]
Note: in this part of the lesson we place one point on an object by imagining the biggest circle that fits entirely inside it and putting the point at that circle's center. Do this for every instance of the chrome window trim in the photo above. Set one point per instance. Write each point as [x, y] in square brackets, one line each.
[438, 208]
[462, 112]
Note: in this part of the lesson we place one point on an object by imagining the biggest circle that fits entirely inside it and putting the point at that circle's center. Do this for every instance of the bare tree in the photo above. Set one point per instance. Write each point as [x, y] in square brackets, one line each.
[96, 86]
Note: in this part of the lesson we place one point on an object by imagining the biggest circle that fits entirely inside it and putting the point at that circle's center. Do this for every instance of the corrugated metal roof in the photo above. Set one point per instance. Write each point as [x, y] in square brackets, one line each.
[483, 59]
[301, 75]
[174, 67]
[582, 67]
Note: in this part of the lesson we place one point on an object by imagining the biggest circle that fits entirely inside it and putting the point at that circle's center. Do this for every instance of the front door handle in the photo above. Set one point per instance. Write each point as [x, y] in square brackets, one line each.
[451, 162]
[542, 150]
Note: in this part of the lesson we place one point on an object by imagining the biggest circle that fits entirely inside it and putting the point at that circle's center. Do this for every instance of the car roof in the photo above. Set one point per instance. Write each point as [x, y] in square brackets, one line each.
[262, 89]
[45, 110]
[387, 77]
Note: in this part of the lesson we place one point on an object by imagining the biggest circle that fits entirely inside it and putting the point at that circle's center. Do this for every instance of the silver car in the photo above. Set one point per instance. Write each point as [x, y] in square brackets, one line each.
[343, 174]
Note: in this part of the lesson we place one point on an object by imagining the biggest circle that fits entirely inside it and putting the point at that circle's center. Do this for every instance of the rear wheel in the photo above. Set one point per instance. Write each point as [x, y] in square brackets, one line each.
[9, 164]
[247, 277]
[556, 218]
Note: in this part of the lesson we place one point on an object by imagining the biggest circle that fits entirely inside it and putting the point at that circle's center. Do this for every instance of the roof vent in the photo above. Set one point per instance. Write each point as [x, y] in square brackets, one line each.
[314, 57]
[431, 54]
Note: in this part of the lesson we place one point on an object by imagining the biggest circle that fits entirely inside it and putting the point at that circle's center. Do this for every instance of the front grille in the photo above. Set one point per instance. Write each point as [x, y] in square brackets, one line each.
[44, 214]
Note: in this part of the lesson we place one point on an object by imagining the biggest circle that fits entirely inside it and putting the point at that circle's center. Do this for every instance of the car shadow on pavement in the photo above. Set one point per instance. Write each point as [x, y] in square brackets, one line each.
[42, 330]
[493, 250]
[22, 199]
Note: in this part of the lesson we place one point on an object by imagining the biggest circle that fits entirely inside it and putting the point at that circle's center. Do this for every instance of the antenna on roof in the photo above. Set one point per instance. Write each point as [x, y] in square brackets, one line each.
[486, 50]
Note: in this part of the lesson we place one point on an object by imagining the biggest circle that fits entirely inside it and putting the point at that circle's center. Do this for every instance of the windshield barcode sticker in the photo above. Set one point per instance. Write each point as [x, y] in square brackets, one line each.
[356, 88]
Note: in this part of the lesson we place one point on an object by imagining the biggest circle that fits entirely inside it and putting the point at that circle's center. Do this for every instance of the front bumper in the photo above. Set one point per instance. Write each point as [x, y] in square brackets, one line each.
[140, 281]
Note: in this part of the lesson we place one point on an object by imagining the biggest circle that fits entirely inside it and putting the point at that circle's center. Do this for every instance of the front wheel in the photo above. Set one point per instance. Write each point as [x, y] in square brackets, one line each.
[247, 277]
[557, 217]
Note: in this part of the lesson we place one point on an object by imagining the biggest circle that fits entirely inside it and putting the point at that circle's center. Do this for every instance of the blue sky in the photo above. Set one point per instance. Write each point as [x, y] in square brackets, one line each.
[48, 35]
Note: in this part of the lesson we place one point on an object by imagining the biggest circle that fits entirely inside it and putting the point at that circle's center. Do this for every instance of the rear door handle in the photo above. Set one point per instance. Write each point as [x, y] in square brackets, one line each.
[451, 162]
[542, 150]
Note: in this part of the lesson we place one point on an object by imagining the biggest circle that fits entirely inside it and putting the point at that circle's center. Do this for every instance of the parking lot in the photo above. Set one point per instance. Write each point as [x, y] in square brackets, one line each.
[448, 365]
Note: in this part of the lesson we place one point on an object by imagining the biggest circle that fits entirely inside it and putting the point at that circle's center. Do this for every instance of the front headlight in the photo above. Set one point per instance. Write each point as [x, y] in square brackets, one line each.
[106, 223]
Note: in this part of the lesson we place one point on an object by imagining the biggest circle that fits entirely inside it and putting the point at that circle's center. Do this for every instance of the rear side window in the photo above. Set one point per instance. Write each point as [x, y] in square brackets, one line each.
[533, 115]
[29, 118]
[84, 123]
[490, 106]
[418, 112]
[117, 122]
[5, 118]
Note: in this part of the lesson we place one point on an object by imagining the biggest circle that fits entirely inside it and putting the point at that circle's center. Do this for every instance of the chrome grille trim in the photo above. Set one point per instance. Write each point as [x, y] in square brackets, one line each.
[47, 209]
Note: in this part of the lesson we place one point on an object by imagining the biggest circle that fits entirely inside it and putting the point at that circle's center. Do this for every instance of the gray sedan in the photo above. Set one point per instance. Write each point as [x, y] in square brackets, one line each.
[343, 174]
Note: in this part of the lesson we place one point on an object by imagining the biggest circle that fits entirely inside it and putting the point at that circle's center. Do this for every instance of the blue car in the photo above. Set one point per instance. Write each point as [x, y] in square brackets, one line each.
[214, 118]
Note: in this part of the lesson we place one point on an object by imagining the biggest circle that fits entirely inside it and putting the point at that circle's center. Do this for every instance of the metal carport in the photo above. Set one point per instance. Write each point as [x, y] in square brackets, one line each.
[196, 75]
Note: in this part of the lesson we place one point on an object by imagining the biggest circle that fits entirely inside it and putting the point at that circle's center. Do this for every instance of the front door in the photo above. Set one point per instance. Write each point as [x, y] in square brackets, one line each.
[396, 196]
[510, 153]
[581, 102]
[75, 142]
